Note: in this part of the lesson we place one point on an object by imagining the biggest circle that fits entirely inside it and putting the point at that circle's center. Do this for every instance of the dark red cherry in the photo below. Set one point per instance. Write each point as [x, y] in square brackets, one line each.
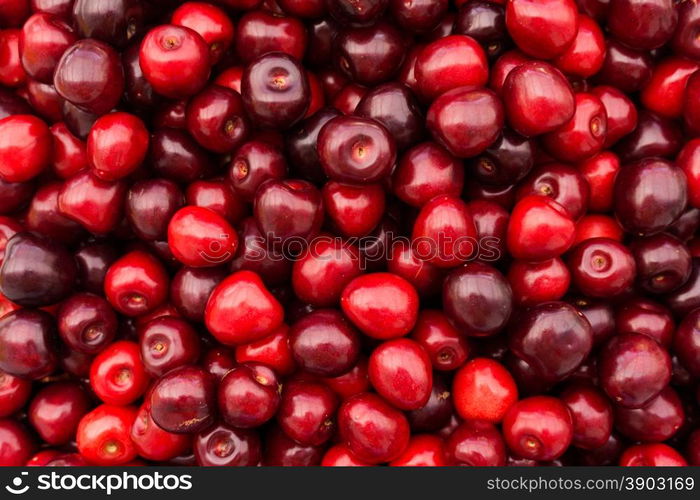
[602, 267]
[175, 155]
[663, 262]
[86, 323]
[369, 55]
[444, 344]
[184, 400]
[478, 299]
[18, 443]
[659, 420]
[259, 32]
[686, 342]
[43, 40]
[477, 444]
[642, 25]
[27, 344]
[216, 119]
[536, 329]
[633, 369]
[306, 412]
[542, 29]
[563, 183]
[646, 317]
[360, 13]
[224, 446]
[168, 343]
[275, 91]
[90, 76]
[649, 195]
[506, 161]
[252, 164]
[248, 396]
[466, 120]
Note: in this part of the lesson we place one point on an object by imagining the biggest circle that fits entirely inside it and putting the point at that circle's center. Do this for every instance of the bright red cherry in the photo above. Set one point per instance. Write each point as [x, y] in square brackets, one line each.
[652, 455]
[200, 237]
[117, 145]
[103, 435]
[56, 410]
[26, 147]
[242, 310]
[136, 284]
[95, 204]
[483, 389]
[542, 28]
[586, 54]
[536, 282]
[539, 229]
[445, 345]
[382, 305]
[212, 24]
[354, 209]
[423, 450]
[117, 374]
[152, 442]
[592, 415]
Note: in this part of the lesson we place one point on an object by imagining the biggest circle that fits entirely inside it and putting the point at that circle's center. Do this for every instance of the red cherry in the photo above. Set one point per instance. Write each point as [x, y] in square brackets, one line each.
[26, 147]
[152, 442]
[117, 374]
[543, 29]
[136, 284]
[200, 237]
[117, 145]
[103, 435]
[483, 389]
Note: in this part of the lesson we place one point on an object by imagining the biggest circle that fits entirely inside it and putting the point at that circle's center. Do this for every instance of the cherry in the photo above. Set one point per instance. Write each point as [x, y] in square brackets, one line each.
[424, 276]
[103, 435]
[273, 351]
[200, 237]
[423, 450]
[224, 446]
[190, 289]
[306, 412]
[175, 60]
[506, 161]
[651, 455]
[320, 274]
[542, 29]
[248, 395]
[117, 374]
[476, 444]
[282, 451]
[43, 40]
[95, 204]
[149, 206]
[86, 323]
[56, 410]
[444, 233]
[354, 381]
[537, 98]
[561, 182]
[152, 442]
[538, 428]
[216, 119]
[212, 24]
[260, 32]
[252, 164]
[218, 361]
[25, 147]
[663, 262]
[93, 261]
[240, 310]
[486, 23]
[551, 323]
[658, 420]
[90, 76]
[374, 431]
[356, 13]
[382, 305]
[255, 255]
[646, 317]
[633, 369]
[642, 25]
[539, 228]
[166, 343]
[288, 212]
[586, 54]
[117, 145]
[478, 299]
[400, 371]
[654, 136]
[300, 145]
[136, 283]
[592, 416]
[275, 91]
[620, 111]
[445, 346]
[536, 282]
[583, 135]
[36, 271]
[448, 63]
[356, 150]
[483, 389]
[649, 195]
[14, 393]
[323, 343]
[426, 171]
[18, 443]
[369, 55]
[114, 22]
[69, 152]
[354, 209]
[183, 401]
[601, 267]
[466, 137]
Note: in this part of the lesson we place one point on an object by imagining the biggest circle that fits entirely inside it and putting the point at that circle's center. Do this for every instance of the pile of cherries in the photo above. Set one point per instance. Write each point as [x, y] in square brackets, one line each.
[350, 232]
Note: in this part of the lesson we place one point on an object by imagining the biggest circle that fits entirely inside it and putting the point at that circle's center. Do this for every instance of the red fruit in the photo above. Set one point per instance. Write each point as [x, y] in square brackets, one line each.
[117, 374]
[539, 229]
[175, 61]
[444, 233]
[272, 351]
[542, 28]
[584, 57]
[537, 98]
[483, 389]
[446, 347]
[152, 442]
[14, 393]
[535, 282]
[539, 428]
[306, 412]
[477, 444]
[354, 209]
[450, 62]
[69, 152]
[95, 204]
[13, 74]
[423, 450]
[136, 284]
[341, 456]
[56, 411]
[374, 431]
[103, 435]
[117, 145]
[592, 415]
[17, 443]
[663, 93]
[382, 305]
[200, 237]
[212, 24]
[600, 171]
[400, 371]
[241, 310]
[652, 455]
[597, 226]
[26, 147]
